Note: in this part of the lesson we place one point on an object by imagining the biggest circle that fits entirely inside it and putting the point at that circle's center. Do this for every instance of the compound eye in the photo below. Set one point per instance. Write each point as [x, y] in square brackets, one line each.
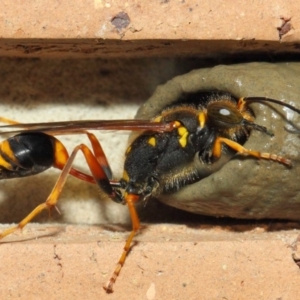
[223, 114]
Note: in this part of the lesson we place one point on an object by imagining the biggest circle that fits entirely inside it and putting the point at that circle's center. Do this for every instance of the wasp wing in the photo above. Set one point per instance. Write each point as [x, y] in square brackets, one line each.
[77, 127]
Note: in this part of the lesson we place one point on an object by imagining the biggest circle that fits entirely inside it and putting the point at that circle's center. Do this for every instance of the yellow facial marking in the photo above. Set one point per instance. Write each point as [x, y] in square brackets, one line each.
[152, 141]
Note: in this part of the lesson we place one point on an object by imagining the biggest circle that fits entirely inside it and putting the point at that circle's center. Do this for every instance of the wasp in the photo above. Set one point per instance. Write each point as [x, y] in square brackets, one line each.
[160, 159]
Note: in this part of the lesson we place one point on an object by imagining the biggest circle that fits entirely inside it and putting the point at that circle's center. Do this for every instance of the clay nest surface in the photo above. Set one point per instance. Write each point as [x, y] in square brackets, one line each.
[244, 187]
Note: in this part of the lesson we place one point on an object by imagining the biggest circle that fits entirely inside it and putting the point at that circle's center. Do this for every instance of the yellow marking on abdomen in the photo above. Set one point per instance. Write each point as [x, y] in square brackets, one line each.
[5, 148]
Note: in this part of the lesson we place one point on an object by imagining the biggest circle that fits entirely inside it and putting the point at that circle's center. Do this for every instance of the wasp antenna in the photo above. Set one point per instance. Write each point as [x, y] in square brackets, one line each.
[258, 127]
[265, 99]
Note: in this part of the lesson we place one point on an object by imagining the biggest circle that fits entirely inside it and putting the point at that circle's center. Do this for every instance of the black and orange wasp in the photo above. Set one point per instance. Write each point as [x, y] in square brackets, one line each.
[159, 160]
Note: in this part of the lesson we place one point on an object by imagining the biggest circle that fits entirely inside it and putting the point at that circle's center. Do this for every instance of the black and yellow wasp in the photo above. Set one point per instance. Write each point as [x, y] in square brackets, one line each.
[159, 160]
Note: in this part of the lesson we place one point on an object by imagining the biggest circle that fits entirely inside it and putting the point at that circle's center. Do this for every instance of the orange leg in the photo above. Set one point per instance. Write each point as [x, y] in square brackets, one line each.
[8, 121]
[217, 150]
[98, 174]
[99, 154]
[130, 199]
[104, 183]
[61, 159]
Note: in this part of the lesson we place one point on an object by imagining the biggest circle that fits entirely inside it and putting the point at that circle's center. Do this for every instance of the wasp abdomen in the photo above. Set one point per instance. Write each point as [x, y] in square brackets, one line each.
[26, 154]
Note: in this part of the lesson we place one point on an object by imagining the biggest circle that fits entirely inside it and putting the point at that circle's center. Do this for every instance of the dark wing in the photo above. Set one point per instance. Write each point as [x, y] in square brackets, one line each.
[77, 127]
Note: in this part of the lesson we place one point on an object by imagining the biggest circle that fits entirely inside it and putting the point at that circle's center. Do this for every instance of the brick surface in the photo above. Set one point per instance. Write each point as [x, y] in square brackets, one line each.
[93, 28]
[135, 20]
[167, 262]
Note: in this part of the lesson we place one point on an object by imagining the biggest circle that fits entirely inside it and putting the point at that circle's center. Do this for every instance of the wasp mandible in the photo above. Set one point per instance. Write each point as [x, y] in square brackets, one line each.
[159, 160]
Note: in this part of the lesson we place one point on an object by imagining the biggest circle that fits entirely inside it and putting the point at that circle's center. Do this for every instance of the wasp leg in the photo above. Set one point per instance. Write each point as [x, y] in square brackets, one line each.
[8, 121]
[130, 199]
[61, 159]
[99, 154]
[217, 149]
[98, 174]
